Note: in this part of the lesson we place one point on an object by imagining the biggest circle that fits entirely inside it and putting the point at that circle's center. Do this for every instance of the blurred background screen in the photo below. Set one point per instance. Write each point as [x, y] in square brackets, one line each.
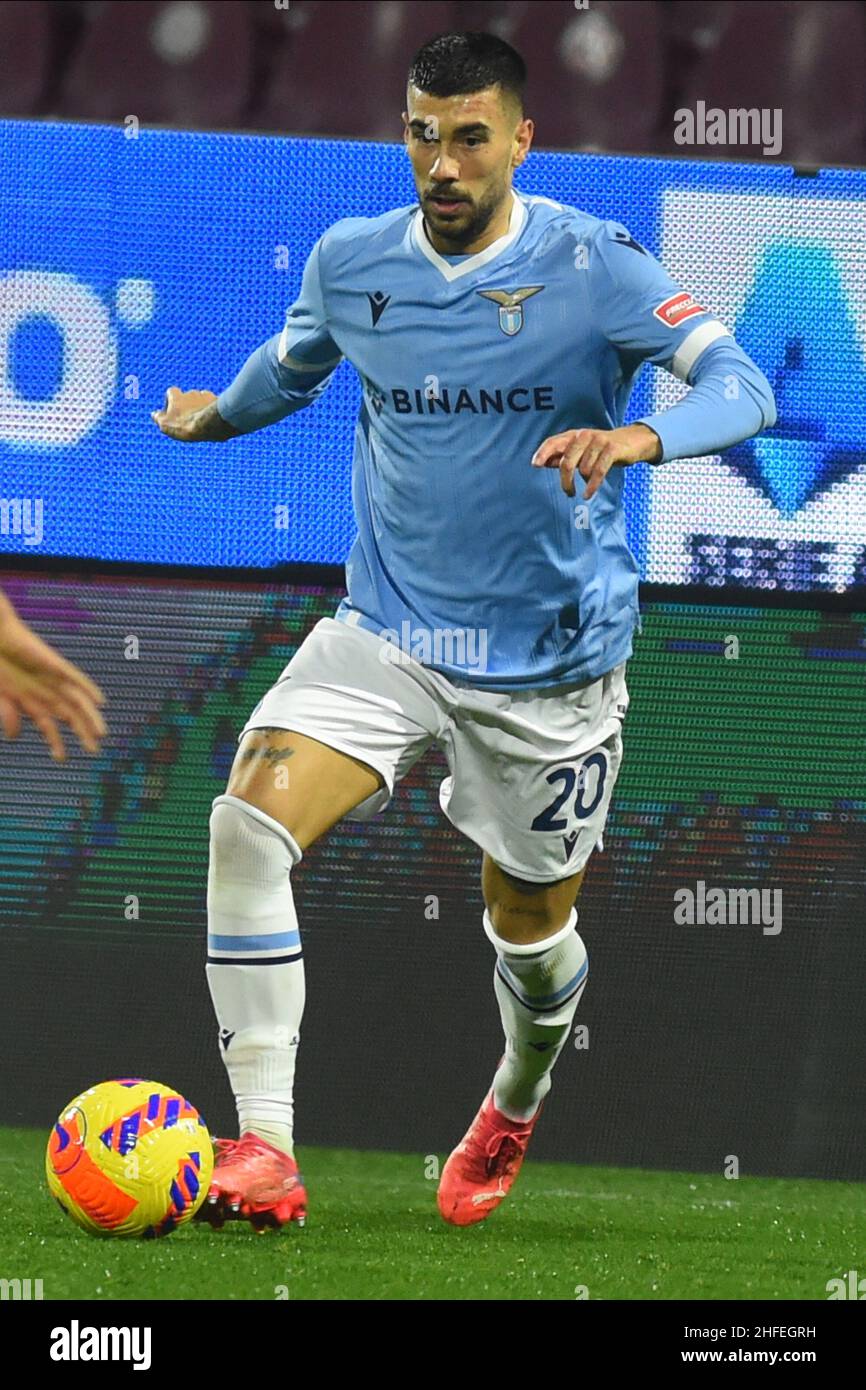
[737, 772]
[112, 288]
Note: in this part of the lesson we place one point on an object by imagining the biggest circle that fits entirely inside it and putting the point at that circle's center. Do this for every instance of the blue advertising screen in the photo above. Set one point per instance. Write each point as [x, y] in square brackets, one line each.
[133, 260]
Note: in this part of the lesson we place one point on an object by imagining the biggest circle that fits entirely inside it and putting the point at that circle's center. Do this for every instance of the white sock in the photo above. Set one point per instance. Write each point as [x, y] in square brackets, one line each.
[255, 967]
[538, 988]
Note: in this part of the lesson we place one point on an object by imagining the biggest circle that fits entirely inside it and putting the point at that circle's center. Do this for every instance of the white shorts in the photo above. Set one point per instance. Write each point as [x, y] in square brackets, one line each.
[531, 772]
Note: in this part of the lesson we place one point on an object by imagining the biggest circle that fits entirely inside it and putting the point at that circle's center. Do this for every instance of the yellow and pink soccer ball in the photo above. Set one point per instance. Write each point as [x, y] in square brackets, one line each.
[129, 1158]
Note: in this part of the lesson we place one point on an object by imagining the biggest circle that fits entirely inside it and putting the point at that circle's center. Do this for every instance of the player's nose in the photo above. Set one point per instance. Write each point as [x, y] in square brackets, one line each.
[445, 169]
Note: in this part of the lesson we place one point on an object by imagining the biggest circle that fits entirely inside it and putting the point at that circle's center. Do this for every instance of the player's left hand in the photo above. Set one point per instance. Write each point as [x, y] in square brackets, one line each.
[592, 453]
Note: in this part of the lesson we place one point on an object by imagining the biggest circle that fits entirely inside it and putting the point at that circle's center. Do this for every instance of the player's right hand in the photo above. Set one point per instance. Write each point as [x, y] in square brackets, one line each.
[176, 419]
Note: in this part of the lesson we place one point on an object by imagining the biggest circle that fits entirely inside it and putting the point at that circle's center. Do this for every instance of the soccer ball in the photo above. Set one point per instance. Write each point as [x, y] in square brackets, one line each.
[129, 1158]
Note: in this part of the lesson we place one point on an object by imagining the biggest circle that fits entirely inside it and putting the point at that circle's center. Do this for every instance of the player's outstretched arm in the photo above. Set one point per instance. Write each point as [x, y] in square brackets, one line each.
[193, 418]
[286, 373]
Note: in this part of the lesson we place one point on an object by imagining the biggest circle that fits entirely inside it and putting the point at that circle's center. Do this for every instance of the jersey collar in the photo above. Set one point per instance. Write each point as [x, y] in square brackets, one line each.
[469, 263]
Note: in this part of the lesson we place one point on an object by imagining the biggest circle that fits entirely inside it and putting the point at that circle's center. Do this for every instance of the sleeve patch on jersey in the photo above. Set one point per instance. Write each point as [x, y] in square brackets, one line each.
[678, 308]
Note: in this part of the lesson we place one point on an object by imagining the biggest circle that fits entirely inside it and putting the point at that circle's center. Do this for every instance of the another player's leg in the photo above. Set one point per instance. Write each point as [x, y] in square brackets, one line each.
[541, 971]
[285, 790]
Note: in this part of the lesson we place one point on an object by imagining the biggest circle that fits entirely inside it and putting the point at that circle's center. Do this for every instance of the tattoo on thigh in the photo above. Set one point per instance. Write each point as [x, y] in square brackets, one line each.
[523, 910]
[269, 754]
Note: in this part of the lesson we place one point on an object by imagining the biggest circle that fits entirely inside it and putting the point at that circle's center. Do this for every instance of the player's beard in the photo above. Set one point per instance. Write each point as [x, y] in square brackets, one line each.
[483, 213]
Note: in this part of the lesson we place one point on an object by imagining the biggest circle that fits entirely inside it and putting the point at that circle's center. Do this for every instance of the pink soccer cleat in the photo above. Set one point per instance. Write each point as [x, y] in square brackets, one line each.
[482, 1168]
[253, 1180]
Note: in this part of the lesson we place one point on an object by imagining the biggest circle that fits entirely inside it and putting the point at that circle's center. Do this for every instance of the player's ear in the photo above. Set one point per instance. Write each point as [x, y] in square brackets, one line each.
[523, 140]
[405, 116]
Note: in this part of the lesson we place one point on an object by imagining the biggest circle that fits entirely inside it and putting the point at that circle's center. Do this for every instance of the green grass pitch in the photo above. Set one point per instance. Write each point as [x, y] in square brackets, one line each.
[374, 1233]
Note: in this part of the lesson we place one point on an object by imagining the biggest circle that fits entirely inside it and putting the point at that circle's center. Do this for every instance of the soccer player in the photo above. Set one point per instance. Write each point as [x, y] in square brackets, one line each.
[491, 593]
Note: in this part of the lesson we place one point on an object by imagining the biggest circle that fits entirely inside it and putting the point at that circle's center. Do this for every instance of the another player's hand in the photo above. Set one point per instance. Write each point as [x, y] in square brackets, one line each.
[37, 682]
[592, 453]
[192, 417]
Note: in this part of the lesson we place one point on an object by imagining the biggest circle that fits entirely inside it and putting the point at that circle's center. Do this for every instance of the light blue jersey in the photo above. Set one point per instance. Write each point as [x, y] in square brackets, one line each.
[467, 364]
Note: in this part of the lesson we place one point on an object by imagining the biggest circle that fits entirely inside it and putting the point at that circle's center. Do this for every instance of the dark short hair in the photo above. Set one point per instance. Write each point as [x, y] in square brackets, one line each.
[454, 64]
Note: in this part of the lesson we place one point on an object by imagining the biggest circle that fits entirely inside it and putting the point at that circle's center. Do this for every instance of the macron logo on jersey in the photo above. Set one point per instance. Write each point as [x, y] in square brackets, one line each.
[378, 304]
[677, 309]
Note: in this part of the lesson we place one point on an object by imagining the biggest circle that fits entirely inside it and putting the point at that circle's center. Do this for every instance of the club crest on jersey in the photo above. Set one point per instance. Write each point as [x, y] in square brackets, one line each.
[510, 306]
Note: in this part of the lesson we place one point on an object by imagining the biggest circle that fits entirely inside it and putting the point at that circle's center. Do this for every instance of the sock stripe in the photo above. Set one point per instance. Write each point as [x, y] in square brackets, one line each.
[269, 941]
[541, 1003]
[255, 960]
